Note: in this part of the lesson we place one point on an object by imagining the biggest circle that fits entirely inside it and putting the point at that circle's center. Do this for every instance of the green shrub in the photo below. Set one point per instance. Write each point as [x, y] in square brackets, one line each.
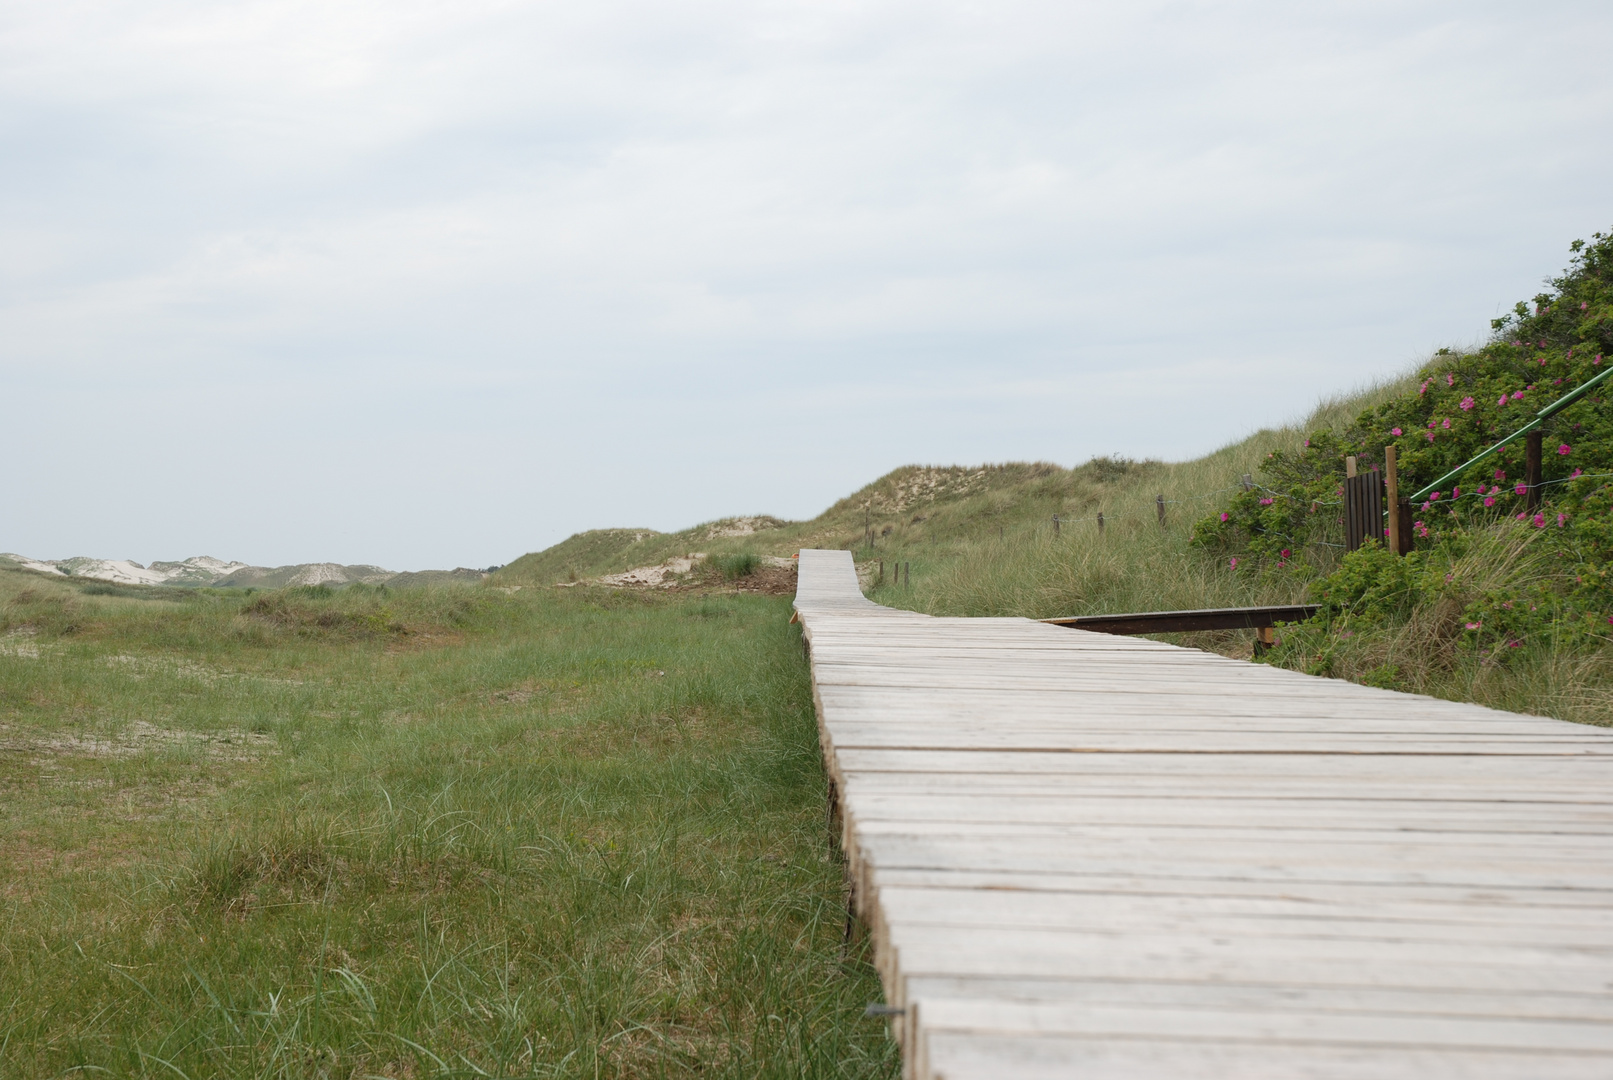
[1494, 583]
[734, 567]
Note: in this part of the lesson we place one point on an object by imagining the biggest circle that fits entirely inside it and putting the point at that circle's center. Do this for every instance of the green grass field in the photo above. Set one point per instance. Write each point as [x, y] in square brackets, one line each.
[444, 832]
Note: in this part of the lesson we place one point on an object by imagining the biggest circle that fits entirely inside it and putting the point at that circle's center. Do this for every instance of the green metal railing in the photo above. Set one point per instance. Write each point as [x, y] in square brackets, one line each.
[1540, 418]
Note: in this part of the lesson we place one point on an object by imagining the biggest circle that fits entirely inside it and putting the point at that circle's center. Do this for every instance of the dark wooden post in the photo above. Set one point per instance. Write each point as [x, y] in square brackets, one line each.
[1392, 479]
[1352, 515]
[1532, 468]
[1408, 541]
[1055, 524]
[1100, 522]
[881, 580]
[1248, 481]
[1159, 508]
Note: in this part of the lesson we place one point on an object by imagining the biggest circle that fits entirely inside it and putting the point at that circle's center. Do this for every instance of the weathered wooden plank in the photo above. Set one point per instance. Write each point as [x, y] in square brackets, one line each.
[967, 1056]
[1270, 917]
[1470, 864]
[1431, 967]
[989, 1016]
[1458, 768]
[1449, 898]
[1196, 812]
[1525, 796]
[1452, 898]
[1268, 999]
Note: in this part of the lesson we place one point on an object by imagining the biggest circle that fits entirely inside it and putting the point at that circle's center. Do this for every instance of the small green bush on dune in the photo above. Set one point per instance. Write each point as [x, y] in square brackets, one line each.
[734, 567]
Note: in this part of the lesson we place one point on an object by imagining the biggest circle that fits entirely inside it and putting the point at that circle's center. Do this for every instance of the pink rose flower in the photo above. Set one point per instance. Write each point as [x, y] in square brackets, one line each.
[1540, 521]
[1467, 403]
[1521, 489]
[1223, 515]
[1395, 431]
[1489, 500]
[1446, 424]
[1517, 395]
[1474, 625]
[1562, 519]
[1234, 564]
[1564, 450]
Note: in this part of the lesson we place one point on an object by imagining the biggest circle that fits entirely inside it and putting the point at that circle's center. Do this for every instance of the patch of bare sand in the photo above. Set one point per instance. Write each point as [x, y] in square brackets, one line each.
[136, 738]
[662, 576]
[140, 667]
[20, 643]
[741, 526]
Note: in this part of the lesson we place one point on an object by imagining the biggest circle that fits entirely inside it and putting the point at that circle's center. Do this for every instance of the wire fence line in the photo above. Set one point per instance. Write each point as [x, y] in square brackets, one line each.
[1097, 515]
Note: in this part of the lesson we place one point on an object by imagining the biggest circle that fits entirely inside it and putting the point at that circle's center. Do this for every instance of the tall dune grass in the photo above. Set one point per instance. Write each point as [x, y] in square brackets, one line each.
[446, 832]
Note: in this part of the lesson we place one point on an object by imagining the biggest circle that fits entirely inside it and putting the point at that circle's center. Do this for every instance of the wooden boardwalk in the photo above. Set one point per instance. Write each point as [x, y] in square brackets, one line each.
[1082, 855]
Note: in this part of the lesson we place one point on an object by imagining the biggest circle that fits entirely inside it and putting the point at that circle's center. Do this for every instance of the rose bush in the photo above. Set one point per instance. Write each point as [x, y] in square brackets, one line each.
[1461, 404]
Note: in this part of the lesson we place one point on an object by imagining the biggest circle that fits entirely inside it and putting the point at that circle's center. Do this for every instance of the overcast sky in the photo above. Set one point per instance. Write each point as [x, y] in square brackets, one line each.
[435, 284]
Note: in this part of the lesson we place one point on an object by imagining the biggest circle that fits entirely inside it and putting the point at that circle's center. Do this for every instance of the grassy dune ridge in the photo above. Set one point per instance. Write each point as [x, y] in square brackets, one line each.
[441, 832]
[981, 541]
[933, 515]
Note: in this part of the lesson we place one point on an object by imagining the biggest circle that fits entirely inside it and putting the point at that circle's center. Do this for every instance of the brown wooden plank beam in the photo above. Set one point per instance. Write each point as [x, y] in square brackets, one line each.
[1170, 622]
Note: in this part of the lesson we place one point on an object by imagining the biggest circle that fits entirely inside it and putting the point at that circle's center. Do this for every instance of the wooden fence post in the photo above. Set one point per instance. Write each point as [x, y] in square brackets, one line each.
[1392, 493]
[1532, 468]
[1159, 508]
[1100, 522]
[1265, 638]
[1055, 524]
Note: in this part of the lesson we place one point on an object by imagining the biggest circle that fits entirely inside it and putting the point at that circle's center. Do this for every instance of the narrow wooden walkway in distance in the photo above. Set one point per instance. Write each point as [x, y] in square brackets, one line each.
[1082, 855]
